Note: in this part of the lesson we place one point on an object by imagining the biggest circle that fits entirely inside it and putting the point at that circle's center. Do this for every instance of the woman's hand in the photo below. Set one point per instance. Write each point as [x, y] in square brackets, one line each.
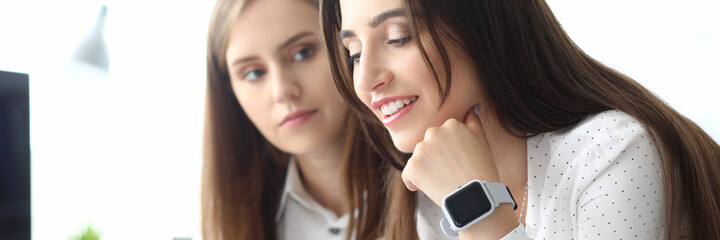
[450, 156]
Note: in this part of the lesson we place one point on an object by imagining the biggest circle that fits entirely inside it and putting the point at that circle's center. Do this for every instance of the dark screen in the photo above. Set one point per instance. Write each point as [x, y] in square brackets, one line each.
[467, 204]
[14, 156]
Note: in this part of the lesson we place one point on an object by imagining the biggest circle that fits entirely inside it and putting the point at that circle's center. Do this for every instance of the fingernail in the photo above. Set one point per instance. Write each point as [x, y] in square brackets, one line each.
[477, 109]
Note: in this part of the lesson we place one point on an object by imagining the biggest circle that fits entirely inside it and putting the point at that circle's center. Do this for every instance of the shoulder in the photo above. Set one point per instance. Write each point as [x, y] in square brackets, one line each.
[608, 130]
[604, 167]
[614, 135]
[610, 123]
[604, 143]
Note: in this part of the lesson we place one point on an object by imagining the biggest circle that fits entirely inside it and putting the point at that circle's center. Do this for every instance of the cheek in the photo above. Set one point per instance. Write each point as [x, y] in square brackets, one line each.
[319, 87]
[464, 93]
[322, 84]
[331, 97]
[251, 103]
[411, 67]
[253, 112]
[364, 97]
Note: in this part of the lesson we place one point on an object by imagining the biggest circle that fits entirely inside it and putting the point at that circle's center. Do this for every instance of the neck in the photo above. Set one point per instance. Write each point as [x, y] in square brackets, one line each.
[321, 173]
[510, 155]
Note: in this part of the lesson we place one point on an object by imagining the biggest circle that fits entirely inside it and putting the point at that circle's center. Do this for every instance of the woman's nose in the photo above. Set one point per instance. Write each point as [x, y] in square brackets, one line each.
[371, 72]
[286, 86]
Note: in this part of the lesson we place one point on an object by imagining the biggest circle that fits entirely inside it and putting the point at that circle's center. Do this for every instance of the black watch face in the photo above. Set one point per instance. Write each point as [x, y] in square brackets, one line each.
[467, 204]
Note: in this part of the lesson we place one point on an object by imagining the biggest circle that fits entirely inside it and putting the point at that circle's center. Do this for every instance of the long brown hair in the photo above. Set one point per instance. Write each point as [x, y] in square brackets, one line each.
[537, 80]
[243, 173]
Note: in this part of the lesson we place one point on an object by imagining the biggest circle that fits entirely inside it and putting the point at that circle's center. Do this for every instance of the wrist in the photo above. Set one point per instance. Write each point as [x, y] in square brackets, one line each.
[495, 226]
[476, 203]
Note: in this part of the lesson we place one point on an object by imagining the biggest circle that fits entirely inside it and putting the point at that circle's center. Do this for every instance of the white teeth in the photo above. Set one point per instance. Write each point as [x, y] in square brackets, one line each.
[384, 110]
[392, 107]
[399, 104]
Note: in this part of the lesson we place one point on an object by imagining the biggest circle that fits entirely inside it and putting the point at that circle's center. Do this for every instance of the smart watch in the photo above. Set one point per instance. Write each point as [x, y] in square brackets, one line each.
[471, 203]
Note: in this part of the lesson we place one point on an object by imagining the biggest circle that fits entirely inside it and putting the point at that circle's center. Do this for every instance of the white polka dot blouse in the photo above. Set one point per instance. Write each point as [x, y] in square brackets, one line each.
[600, 179]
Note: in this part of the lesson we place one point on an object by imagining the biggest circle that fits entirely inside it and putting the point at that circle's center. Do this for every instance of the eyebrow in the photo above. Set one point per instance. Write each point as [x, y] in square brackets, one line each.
[382, 17]
[242, 60]
[375, 21]
[295, 38]
[285, 44]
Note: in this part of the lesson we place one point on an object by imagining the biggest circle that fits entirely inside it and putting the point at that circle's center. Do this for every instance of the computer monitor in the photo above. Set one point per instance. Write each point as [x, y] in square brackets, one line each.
[14, 156]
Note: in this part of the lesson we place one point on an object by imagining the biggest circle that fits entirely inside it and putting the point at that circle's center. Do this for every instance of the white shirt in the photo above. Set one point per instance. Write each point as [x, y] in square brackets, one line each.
[301, 217]
[600, 179]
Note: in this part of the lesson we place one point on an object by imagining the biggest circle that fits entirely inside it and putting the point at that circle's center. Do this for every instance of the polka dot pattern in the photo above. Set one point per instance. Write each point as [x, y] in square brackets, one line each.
[600, 179]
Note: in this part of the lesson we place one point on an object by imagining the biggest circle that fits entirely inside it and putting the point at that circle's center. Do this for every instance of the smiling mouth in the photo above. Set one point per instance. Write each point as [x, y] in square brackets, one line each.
[392, 107]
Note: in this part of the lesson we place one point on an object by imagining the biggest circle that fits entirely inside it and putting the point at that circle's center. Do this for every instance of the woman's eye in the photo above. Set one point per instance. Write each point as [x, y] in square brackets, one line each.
[399, 42]
[354, 59]
[253, 75]
[302, 54]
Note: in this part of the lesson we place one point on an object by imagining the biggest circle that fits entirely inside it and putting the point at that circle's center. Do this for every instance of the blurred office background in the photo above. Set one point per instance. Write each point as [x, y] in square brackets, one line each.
[116, 119]
[117, 90]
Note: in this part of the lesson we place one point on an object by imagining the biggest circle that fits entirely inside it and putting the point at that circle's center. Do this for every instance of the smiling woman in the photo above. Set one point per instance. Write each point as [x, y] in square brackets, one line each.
[493, 96]
[284, 159]
[413, 92]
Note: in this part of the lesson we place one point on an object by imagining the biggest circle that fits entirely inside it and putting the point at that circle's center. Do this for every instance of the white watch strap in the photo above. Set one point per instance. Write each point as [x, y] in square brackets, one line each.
[446, 228]
[500, 193]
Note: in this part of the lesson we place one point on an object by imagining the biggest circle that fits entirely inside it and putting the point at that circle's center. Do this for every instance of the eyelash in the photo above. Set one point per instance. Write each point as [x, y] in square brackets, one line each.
[257, 72]
[399, 42]
[306, 53]
[395, 42]
[353, 59]
[309, 51]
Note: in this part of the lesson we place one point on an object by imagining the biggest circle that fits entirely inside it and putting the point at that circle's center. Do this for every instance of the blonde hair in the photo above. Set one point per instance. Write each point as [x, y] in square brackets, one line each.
[243, 173]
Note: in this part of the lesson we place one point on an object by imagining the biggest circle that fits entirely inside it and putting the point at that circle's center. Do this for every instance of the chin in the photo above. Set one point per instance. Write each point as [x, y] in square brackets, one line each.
[405, 142]
[296, 146]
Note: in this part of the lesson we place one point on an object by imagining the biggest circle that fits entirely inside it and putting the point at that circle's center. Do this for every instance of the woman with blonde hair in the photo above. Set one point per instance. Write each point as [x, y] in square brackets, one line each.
[283, 158]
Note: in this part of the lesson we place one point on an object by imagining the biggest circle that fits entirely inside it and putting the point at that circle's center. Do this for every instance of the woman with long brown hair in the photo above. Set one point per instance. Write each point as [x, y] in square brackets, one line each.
[283, 158]
[542, 140]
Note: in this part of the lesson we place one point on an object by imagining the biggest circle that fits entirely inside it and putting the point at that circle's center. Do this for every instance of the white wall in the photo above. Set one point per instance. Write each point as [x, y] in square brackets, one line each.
[121, 152]
[671, 47]
[124, 152]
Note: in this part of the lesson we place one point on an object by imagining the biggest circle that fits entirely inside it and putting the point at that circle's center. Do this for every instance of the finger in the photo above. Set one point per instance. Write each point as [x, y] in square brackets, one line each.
[429, 135]
[406, 179]
[409, 170]
[472, 121]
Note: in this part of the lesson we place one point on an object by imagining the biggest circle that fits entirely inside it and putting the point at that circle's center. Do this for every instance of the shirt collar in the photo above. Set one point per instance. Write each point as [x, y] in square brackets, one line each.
[294, 188]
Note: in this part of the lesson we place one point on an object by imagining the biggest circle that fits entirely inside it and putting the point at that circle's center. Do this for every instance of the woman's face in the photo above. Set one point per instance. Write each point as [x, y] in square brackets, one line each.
[280, 74]
[391, 77]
